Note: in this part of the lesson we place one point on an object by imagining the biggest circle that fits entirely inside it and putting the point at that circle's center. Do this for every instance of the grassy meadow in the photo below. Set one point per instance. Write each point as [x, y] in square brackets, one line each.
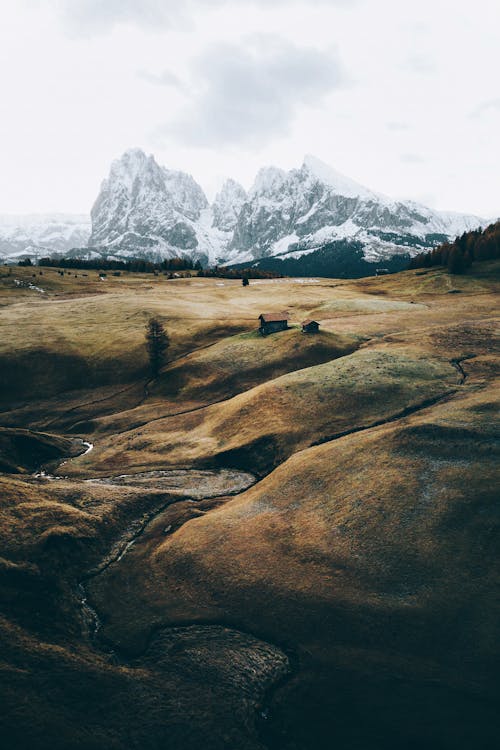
[283, 542]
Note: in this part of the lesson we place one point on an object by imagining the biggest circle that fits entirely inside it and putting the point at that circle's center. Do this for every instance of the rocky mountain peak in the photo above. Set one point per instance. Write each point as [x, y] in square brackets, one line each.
[227, 205]
[186, 195]
[146, 206]
[337, 182]
[133, 167]
[269, 180]
[147, 210]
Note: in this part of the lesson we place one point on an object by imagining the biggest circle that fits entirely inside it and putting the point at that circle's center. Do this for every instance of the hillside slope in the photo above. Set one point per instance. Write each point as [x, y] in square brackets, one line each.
[374, 556]
[263, 426]
[281, 543]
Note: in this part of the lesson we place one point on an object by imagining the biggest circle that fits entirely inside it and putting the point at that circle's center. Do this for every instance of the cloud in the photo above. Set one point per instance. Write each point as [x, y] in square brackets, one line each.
[412, 158]
[87, 17]
[251, 92]
[165, 78]
[492, 105]
[420, 64]
[397, 126]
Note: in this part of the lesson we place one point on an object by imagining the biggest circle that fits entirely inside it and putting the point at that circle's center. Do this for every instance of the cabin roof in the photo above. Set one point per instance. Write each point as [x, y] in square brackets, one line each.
[308, 321]
[273, 317]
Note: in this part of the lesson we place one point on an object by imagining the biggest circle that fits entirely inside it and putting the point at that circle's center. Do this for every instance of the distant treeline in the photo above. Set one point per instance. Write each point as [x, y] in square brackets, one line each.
[145, 266]
[134, 265]
[221, 272]
[457, 256]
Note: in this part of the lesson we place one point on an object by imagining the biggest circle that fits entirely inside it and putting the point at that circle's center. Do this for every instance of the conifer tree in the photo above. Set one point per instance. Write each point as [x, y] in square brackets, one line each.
[456, 264]
[157, 343]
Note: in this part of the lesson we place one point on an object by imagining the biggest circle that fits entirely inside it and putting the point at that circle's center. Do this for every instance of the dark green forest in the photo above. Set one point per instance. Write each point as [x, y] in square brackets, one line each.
[458, 256]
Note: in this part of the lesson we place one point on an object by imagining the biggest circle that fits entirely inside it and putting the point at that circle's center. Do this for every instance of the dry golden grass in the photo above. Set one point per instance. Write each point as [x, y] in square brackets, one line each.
[238, 362]
[261, 427]
[361, 518]
[374, 555]
[370, 558]
[83, 333]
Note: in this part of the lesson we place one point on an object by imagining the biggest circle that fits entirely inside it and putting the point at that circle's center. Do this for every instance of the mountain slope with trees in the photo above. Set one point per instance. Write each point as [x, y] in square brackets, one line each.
[471, 247]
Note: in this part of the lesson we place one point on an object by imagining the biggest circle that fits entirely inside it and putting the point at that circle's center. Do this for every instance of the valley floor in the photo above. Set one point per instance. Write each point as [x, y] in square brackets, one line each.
[286, 542]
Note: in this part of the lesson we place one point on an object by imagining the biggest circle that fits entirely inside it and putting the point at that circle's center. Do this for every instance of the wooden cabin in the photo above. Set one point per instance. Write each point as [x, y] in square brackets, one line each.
[310, 326]
[273, 322]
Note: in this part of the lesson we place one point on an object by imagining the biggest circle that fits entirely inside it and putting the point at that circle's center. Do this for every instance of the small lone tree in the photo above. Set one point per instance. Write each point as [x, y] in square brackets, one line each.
[245, 281]
[157, 342]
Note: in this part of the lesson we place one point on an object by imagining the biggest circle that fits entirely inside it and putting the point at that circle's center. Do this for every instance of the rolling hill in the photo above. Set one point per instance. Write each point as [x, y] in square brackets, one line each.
[280, 542]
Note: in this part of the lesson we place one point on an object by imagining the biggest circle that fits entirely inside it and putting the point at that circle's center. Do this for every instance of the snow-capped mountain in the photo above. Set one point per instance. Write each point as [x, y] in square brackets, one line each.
[292, 213]
[144, 209]
[287, 221]
[42, 234]
[147, 209]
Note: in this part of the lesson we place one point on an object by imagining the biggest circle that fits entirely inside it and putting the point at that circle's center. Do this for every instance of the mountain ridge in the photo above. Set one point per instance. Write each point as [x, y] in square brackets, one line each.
[35, 235]
[146, 210]
[299, 211]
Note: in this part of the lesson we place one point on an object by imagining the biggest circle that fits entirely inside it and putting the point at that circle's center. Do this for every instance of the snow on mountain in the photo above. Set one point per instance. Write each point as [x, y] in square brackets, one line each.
[445, 222]
[340, 184]
[41, 234]
[268, 182]
[186, 195]
[227, 205]
[303, 210]
[146, 210]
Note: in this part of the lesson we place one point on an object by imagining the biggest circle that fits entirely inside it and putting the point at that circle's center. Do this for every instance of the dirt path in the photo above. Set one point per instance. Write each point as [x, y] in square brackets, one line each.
[388, 420]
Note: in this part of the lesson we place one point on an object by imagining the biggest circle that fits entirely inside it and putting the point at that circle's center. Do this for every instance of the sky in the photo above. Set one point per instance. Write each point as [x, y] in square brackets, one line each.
[403, 97]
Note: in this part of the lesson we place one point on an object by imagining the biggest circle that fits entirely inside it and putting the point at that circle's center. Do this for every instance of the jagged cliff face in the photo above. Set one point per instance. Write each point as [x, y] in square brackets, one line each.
[302, 210]
[147, 207]
[227, 205]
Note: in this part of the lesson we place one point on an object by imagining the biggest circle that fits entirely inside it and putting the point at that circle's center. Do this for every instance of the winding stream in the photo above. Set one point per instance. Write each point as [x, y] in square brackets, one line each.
[260, 666]
[197, 484]
[184, 484]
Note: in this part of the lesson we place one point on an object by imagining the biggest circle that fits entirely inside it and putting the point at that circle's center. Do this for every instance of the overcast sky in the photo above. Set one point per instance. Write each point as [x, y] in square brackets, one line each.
[403, 97]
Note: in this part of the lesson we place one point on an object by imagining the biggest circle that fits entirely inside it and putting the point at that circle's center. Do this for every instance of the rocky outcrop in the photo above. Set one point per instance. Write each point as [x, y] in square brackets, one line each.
[303, 210]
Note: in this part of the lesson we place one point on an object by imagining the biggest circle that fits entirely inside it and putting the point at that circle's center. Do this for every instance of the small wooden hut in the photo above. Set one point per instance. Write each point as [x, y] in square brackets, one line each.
[273, 322]
[310, 326]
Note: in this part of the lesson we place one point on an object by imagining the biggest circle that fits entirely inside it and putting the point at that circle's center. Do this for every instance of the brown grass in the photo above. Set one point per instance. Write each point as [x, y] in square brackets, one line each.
[370, 560]
[261, 427]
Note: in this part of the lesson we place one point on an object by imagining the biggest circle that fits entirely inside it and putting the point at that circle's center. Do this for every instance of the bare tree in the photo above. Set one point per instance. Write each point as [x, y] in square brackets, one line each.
[157, 343]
